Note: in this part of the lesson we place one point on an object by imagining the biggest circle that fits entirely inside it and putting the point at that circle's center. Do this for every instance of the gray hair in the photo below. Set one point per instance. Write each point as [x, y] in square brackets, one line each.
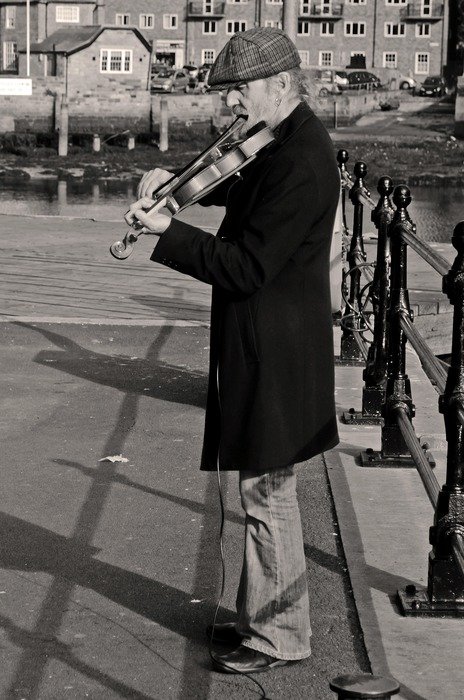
[299, 86]
[298, 81]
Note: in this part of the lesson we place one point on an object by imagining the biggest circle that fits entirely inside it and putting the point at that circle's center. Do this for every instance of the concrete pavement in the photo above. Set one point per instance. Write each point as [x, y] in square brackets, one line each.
[88, 609]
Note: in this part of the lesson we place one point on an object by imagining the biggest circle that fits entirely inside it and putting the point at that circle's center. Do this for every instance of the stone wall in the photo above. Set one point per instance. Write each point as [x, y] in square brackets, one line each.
[459, 109]
[112, 111]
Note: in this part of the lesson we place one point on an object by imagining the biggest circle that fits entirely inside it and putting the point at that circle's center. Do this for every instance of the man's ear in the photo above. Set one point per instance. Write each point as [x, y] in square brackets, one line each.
[283, 82]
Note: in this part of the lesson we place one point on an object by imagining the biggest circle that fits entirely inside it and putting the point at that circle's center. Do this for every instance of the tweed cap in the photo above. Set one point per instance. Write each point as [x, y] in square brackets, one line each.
[252, 55]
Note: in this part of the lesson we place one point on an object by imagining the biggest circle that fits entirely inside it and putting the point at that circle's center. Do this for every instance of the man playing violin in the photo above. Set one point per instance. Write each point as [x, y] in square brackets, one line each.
[270, 401]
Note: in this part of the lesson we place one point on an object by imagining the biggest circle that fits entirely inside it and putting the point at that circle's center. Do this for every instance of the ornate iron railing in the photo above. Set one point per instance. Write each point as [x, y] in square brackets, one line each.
[387, 395]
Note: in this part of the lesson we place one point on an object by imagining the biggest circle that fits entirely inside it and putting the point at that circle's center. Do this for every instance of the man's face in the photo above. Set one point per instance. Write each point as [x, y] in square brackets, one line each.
[254, 100]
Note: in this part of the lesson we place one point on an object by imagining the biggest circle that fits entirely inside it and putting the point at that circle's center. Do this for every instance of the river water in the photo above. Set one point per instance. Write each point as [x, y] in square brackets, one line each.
[435, 210]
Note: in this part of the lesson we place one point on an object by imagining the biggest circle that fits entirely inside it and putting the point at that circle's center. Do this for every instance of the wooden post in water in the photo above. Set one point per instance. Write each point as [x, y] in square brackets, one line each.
[163, 139]
[96, 143]
[63, 126]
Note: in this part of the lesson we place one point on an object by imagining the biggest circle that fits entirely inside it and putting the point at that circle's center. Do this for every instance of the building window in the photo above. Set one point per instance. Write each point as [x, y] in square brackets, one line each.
[327, 28]
[208, 7]
[234, 26]
[274, 2]
[146, 21]
[422, 30]
[209, 26]
[396, 2]
[355, 29]
[208, 55]
[356, 2]
[389, 59]
[115, 61]
[10, 17]
[304, 27]
[67, 13]
[326, 58]
[276, 23]
[169, 21]
[233, 2]
[393, 29]
[10, 55]
[326, 7]
[122, 20]
[304, 55]
[305, 7]
[422, 63]
[426, 8]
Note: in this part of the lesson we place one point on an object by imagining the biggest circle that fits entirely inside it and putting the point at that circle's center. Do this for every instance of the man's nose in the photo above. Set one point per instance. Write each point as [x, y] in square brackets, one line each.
[232, 98]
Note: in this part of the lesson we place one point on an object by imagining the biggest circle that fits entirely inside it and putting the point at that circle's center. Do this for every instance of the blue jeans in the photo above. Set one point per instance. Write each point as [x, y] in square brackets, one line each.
[272, 599]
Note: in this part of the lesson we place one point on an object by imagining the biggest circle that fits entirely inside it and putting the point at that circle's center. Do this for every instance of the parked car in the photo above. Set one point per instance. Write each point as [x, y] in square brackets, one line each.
[405, 82]
[433, 86]
[364, 80]
[169, 80]
[157, 67]
[329, 81]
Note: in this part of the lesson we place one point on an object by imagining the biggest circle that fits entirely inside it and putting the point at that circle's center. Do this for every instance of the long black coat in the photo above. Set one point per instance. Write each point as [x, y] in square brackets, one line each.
[271, 324]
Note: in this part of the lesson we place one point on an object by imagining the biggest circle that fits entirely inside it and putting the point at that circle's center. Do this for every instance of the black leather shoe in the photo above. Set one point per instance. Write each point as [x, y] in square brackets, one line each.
[224, 633]
[245, 660]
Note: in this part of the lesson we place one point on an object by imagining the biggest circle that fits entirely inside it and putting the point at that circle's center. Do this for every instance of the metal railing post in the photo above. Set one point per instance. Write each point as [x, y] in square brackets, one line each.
[445, 591]
[342, 158]
[446, 580]
[375, 372]
[350, 351]
[394, 452]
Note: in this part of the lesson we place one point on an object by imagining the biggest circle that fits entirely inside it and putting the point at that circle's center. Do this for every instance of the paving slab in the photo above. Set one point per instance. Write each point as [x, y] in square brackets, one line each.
[384, 516]
[110, 571]
[60, 271]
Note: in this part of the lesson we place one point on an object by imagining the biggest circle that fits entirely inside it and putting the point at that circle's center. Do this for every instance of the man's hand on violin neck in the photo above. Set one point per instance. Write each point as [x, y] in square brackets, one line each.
[151, 181]
[152, 221]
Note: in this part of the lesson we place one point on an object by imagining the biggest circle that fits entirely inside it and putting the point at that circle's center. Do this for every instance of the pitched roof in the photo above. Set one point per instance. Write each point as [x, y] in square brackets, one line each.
[47, 2]
[69, 40]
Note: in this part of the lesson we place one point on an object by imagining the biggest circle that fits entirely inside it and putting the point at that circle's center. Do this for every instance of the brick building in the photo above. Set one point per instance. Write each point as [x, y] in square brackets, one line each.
[92, 58]
[410, 37]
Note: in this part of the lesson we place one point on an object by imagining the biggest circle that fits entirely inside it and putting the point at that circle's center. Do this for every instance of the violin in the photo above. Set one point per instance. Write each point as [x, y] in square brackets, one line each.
[219, 161]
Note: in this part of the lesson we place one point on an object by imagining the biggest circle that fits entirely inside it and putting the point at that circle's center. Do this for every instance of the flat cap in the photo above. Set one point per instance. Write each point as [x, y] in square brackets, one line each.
[252, 55]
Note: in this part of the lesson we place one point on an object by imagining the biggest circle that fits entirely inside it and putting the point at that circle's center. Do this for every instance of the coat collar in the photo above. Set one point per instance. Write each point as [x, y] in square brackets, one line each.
[292, 123]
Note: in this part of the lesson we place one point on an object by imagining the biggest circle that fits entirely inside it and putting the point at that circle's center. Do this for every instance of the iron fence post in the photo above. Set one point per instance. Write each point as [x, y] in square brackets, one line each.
[350, 352]
[342, 158]
[394, 451]
[375, 372]
[444, 595]
[446, 582]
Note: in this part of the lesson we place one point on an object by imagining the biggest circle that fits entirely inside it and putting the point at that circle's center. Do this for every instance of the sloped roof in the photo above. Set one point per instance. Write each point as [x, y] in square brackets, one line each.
[69, 40]
[49, 2]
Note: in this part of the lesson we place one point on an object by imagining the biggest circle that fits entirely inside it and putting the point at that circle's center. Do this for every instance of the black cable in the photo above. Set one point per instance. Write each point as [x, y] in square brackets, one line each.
[223, 584]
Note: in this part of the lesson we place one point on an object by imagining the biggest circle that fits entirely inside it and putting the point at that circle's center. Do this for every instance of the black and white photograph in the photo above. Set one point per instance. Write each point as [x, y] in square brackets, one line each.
[232, 349]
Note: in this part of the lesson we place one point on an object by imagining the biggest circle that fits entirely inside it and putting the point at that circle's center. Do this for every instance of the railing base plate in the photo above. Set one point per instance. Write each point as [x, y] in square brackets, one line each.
[418, 604]
[349, 362]
[357, 418]
[371, 458]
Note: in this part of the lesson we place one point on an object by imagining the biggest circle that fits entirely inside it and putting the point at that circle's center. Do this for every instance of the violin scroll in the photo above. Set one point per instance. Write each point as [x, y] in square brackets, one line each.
[122, 249]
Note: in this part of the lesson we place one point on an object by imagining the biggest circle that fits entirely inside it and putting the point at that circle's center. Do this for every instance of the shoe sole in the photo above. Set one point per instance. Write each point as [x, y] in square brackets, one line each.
[228, 669]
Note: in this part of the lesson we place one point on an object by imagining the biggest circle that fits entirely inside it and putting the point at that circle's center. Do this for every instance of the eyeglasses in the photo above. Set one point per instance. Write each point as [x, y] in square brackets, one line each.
[237, 86]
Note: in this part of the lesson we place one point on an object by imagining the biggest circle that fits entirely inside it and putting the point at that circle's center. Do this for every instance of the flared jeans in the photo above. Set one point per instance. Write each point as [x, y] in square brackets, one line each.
[272, 598]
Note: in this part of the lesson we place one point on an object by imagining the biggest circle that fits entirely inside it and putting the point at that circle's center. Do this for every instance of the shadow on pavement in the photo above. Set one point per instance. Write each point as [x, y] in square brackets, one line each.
[148, 376]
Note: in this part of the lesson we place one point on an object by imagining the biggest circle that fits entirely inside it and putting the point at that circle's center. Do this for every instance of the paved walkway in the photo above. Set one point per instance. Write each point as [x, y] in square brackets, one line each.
[59, 282]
